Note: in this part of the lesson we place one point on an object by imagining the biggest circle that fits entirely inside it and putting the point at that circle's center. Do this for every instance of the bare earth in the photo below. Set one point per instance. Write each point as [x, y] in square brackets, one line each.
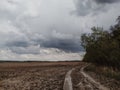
[90, 82]
[34, 75]
[78, 79]
[82, 81]
[48, 76]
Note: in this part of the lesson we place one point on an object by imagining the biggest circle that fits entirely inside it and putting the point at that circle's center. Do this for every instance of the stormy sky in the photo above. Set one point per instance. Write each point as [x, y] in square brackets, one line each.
[50, 29]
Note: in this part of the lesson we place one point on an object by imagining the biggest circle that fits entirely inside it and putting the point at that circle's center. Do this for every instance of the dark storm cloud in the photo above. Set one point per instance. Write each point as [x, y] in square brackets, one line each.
[65, 45]
[106, 1]
[22, 50]
[23, 47]
[18, 44]
[68, 45]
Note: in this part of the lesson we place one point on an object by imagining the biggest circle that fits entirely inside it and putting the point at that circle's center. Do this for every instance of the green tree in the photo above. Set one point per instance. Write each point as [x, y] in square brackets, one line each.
[103, 47]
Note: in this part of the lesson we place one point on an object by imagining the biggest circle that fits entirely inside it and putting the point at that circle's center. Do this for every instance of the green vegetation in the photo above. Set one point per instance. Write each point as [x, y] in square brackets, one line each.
[103, 47]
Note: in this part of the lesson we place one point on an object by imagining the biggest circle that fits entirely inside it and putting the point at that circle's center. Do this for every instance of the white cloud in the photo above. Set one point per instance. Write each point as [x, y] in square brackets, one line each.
[5, 5]
[45, 55]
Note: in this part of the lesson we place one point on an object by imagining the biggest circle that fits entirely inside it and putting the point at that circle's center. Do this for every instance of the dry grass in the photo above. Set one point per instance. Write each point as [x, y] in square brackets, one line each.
[105, 75]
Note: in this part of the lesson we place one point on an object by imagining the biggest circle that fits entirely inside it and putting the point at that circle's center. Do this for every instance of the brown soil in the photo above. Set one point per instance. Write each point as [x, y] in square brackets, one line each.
[77, 77]
[34, 75]
[108, 82]
[80, 82]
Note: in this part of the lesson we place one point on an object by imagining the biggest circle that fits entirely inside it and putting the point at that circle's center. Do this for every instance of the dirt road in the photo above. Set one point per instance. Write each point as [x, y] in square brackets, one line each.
[89, 82]
[68, 81]
[82, 81]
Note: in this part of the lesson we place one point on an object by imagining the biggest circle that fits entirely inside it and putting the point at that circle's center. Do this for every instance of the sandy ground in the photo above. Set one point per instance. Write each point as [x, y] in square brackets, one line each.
[34, 75]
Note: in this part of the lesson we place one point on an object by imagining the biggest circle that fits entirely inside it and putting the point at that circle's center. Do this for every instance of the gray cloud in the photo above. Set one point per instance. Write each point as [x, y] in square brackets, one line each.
[18, 44]
[65, 42]
[107, 1]
[87, 7]
[26, 50]
[36, 28]
[92, 7]
[65, 45]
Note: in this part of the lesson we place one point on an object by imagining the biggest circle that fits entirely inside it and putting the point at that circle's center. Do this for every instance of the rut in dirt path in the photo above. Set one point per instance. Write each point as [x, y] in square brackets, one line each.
[89, 82]
[68, 81]
[86, 83]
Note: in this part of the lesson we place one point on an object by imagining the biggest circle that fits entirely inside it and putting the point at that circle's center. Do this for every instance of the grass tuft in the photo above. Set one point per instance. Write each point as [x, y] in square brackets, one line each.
[104, 71]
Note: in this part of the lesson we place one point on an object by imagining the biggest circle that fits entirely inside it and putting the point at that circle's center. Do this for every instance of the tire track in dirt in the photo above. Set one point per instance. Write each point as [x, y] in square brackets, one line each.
[88, 83]
[68, 81]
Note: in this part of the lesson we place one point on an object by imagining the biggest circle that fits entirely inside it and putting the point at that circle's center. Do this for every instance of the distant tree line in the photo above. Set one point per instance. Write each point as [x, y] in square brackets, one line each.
[103, 47]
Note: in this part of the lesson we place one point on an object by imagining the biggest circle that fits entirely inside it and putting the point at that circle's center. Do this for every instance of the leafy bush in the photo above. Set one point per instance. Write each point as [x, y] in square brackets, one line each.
[103, 47]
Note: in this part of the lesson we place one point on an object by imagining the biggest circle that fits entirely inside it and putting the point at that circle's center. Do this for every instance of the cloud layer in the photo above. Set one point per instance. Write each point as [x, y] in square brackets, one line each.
[107, 1]
[50, 29]
[93, 7]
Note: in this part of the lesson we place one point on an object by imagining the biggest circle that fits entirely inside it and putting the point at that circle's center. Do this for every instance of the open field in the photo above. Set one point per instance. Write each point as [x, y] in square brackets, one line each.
[34, 75]
[51, 76]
